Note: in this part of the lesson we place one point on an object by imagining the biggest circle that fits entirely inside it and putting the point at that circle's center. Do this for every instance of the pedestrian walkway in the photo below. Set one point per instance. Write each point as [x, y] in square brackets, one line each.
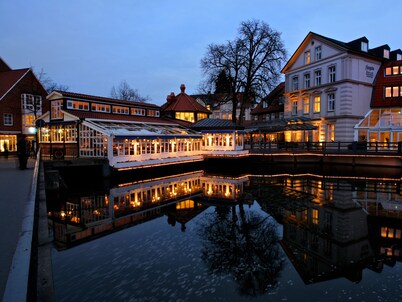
[15, 207]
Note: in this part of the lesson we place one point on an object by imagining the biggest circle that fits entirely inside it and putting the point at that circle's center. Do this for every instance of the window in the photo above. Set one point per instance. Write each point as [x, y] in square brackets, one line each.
[317, 76]
[331, 132]
[386, 53]
[307, 80]
[31, 103]
[314, 215]
[8, 119]
[294, 107]
[120, 110]
[153, 112]
[318, 53]
[364, 46]
[77, 105]
[393, 92]
[100, 107]
[56, 109]
[395, 70]
[186, 116]
[296, 83]
[201, 116]
[317, 104]
[332, 74]
[331, 102]
[28, 120]
[388, 71]
[138, 111]
[398, 56]
[306, 105]
[307, 57]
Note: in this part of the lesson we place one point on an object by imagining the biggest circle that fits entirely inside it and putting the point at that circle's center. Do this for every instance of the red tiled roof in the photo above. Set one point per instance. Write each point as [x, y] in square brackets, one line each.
[73, 95]
[273, 100]
[118, 117]
[9, 78]
[183, 103]
[378, 97]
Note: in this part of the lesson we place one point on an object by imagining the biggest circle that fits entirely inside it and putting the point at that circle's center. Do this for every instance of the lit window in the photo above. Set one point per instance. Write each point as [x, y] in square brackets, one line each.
[332, 74]
[331, 102]
[7, 119]
[120, 110]
[388, 71]
[77, 105]
[100, 107]
[306, 105]
[307, 80]
[395, 91]
[388, 92]
[398, 234]
[139, 111]
[395, 70]
[307, 57]
[56, 109]
[331, 132]
[317, 76]
[318, 53]
[295, 83]
[186, 116]
[315, 216]
[384, 232]
[317, 104]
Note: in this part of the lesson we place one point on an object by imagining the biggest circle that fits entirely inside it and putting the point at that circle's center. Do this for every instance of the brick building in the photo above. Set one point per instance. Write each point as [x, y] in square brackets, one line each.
[22, 99]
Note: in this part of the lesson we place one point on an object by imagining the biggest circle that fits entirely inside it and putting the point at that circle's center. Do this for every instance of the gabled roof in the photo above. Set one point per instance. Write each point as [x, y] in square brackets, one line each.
[8, 79]
[352, 46]
[273, 99]
[183, 103]
[87, 97]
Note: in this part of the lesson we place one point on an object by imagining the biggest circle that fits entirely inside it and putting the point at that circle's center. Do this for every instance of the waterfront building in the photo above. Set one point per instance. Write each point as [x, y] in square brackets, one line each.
[128, 134]
[328, 84]
[21, 102]
[383, 123]
[221, 137]
[183, 107]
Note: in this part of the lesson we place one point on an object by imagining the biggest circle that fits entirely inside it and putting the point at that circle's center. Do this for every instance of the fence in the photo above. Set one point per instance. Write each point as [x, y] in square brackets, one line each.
[328, 147]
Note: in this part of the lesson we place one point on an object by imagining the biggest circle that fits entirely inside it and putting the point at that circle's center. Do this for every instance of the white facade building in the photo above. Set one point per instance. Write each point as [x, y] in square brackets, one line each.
[330, 82]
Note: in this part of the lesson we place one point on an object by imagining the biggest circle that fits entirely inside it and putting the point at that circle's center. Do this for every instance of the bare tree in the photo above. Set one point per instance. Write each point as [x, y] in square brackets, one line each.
[48, 83]
[253, 61]
[125, 92]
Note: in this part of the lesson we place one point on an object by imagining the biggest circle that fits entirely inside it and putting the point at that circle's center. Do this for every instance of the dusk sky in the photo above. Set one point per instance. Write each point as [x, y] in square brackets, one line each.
[156, 45]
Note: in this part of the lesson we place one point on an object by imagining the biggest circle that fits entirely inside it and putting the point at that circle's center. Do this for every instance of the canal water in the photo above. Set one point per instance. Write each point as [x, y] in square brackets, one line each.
[200, 236]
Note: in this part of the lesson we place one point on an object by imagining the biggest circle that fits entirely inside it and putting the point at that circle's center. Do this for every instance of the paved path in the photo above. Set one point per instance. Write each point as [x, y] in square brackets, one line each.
[15, 187]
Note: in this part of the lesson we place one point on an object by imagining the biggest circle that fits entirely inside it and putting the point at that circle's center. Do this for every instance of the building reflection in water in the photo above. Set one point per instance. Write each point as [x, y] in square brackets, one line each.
[79, 217]
[332, 226]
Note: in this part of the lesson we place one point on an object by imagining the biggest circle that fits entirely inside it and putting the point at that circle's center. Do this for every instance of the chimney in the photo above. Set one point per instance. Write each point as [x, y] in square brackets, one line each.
[182, 88]
[170, 97]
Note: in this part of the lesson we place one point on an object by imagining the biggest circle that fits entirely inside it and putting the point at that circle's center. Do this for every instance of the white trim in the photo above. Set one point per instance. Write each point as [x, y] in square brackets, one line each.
[12, 87]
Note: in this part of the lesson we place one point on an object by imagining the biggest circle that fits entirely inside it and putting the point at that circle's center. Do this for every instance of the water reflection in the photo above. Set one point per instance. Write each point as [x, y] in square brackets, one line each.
[244, 246]
[246, 228]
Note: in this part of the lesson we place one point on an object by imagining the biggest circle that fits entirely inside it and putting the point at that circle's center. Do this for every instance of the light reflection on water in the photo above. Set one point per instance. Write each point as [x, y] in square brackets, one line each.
[232, 253]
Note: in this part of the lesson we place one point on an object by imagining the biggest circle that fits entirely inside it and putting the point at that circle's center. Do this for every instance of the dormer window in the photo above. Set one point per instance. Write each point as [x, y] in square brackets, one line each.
[398, 56]
[364, 46]
[386, 53]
